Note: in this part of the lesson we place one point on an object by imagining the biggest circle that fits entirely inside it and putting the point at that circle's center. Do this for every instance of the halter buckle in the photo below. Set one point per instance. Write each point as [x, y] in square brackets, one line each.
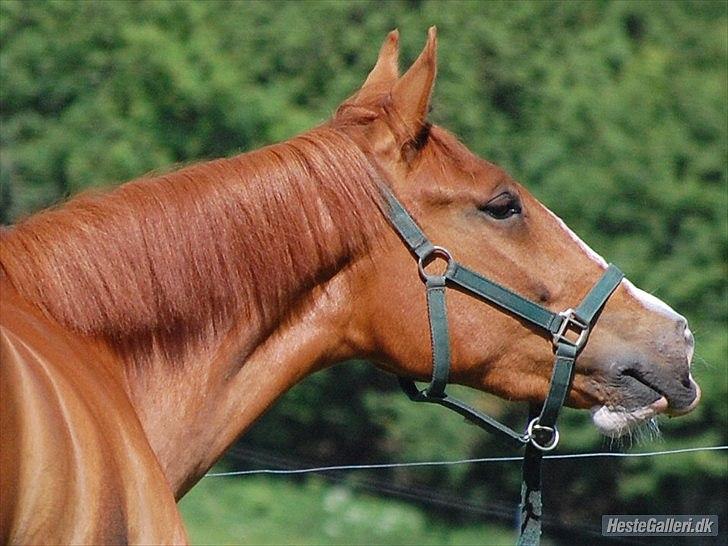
[533, 431]
[571, 322]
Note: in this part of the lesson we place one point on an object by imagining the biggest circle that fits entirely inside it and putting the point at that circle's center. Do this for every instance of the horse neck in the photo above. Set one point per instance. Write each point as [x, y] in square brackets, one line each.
[213, 284]
[192, 413]
[192, 409]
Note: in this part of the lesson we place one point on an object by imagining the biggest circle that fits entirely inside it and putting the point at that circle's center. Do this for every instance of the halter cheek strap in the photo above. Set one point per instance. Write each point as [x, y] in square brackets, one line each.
[569, 332]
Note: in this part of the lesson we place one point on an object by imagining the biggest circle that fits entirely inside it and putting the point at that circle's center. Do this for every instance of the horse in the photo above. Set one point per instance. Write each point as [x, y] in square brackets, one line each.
[146, 327]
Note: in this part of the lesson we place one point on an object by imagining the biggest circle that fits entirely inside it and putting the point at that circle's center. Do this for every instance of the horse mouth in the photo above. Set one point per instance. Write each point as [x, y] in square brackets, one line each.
[644, 399]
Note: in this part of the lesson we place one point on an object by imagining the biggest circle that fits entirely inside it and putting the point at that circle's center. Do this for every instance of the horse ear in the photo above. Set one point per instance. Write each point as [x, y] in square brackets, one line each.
[386, 71]
[411, 94]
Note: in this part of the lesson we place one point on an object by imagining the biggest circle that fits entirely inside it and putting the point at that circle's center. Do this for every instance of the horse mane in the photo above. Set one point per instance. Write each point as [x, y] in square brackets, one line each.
[158, 262]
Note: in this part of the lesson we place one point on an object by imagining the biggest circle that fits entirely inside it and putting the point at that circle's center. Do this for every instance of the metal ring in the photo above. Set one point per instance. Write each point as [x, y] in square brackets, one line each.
[435, 252]
[554, 435]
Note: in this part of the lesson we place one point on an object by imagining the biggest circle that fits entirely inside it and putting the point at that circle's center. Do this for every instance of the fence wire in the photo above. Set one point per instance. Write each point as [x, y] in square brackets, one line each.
[504, 511]
[479, 460]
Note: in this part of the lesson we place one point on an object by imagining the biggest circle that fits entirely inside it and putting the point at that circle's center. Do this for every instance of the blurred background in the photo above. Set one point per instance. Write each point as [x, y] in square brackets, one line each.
[613, 113]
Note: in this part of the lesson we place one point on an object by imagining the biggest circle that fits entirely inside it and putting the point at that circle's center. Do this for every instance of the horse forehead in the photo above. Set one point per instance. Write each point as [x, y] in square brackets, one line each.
[476, 176]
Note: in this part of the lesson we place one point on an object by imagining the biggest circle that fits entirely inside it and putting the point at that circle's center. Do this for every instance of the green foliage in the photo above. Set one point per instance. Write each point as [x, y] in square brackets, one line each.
[613, 113]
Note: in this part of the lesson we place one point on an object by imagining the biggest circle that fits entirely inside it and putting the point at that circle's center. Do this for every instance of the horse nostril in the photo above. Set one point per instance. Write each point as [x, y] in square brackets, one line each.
[681, 327]
[689, 339]
[681, 323]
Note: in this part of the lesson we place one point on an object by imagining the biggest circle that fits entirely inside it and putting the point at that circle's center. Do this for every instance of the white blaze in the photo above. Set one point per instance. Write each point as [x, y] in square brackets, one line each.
[584, 247]
[648, 301]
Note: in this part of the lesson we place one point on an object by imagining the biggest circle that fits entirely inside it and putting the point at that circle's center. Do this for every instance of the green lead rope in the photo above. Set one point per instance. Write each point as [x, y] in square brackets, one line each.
[541, 434]
[531, 507]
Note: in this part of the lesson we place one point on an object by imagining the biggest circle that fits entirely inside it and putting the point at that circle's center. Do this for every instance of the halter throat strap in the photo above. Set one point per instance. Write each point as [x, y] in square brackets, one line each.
[569, 331]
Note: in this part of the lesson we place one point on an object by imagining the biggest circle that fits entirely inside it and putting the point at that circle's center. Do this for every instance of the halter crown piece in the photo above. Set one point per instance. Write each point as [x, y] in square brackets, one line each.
[569, 331]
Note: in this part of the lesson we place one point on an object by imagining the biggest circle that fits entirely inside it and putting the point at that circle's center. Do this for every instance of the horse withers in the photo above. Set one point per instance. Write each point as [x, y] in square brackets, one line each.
[145, 328]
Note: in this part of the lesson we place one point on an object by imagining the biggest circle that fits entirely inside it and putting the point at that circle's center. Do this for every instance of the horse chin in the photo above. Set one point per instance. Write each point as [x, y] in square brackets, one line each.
[615, 422]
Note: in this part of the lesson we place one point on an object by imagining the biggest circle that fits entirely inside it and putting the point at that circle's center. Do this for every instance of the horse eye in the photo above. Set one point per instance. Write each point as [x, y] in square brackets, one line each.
[502, 207]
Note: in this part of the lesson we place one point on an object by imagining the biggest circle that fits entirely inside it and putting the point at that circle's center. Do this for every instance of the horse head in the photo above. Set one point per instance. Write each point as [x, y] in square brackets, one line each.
[636, 362]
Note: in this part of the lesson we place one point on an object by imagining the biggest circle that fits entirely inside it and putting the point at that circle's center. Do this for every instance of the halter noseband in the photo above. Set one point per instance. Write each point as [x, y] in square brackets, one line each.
[569, 332]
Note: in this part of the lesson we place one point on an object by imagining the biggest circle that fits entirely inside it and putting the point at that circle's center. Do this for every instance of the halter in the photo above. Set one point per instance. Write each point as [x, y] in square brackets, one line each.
[569, 332]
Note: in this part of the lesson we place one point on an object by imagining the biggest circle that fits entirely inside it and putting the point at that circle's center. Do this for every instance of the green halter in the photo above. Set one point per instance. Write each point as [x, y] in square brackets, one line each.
[541, 433]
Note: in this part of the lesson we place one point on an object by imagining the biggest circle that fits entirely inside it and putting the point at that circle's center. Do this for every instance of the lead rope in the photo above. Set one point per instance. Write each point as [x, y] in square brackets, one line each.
[541, 434]
[531, 506]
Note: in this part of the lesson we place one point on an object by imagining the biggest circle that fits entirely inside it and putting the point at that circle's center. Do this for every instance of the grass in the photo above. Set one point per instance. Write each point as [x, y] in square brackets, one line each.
[271, 511]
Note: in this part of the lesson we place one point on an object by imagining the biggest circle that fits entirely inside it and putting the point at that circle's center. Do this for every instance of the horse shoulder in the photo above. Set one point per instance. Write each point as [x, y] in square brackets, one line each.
[75, 465]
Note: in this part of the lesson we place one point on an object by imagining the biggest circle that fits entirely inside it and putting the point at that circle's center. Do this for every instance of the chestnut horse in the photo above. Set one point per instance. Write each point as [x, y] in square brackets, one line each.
[144, 329]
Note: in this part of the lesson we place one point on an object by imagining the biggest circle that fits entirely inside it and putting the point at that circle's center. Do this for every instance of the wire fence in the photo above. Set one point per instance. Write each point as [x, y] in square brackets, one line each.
[422, 494]
[480, 460]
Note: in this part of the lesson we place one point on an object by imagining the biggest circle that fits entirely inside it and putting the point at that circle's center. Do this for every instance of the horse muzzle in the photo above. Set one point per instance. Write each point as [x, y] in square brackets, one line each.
[638, 385]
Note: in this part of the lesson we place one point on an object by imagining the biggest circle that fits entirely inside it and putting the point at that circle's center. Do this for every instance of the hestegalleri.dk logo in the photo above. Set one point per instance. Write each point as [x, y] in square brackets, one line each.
[660, 526]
